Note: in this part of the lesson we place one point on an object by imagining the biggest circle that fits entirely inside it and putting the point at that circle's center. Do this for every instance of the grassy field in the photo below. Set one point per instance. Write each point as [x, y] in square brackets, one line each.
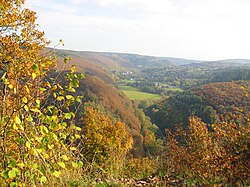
[135, 94]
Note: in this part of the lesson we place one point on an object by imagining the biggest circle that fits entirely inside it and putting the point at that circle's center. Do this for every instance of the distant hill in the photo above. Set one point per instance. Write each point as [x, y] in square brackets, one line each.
[124, 60]
[109, 60]
[84, 65]
[236, 61]
[221, 63]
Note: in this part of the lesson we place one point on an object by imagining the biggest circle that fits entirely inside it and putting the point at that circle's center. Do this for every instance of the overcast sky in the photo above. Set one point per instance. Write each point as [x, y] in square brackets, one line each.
[193, 29]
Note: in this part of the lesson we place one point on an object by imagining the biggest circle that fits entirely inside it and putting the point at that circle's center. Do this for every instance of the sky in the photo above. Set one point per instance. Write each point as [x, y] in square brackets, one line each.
[192, 29]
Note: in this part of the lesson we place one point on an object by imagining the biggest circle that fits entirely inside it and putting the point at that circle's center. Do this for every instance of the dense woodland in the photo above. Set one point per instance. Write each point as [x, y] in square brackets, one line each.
[64, 122]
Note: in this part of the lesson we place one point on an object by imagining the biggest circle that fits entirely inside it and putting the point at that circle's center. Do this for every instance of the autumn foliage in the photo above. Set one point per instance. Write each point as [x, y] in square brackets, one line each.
[105, 143]
[220, 156]
[230, 99]
[33, 132]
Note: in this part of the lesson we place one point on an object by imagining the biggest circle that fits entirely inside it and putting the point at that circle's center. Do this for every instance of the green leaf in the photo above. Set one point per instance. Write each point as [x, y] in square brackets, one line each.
[12, 174]
[35, 67]
[12, 164]
[45, 140]
[63, 136]
[22, 141]
[80, 163]
[55, 137]
[13, 184]
[30, 119]
[67, 115]
[5, 174]
[44, 130]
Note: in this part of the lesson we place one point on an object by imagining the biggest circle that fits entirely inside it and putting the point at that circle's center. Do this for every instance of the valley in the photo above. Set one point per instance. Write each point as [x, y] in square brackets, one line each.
[102, 119]
[170, 97]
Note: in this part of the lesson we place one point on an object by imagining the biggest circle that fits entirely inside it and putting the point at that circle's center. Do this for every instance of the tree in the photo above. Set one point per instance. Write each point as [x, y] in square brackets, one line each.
[220, 156]
[33, 133]
[104, 143]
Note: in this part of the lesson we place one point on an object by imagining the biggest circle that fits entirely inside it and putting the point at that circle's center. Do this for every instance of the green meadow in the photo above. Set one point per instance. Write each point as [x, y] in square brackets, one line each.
[135, 94]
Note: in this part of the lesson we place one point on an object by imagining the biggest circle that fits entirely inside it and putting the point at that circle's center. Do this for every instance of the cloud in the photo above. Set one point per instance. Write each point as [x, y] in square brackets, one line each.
[50, 6]
[198, 29]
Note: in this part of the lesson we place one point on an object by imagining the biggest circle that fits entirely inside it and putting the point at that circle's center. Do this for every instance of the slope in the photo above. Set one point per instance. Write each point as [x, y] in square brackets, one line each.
[99, 92]
[215, 102]
[230, 99]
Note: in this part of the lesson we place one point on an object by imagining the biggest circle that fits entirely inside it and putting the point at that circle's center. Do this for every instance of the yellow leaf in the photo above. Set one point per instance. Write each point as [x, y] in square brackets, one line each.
[17, 120]
[34, 152]
[35, 110]
[10, 86]
[6, 82]
[59, 86]
[62, 164]
[72, 148]
[56, 173]
[46, 156]
[64, 157]
[54, 88]
[38, 102]
[39, 139]
[43, 179]
[77, 136]
[26, 108]
[25, 100]
[69, 97]
[73, 69]
[21, 165]
[33, 76]
[8, 58]
[75, 165]
[60, 98]
[27, 89]
[43, 130]
[50, 146]
[28, 145]
[21, 127]
[15, 127]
